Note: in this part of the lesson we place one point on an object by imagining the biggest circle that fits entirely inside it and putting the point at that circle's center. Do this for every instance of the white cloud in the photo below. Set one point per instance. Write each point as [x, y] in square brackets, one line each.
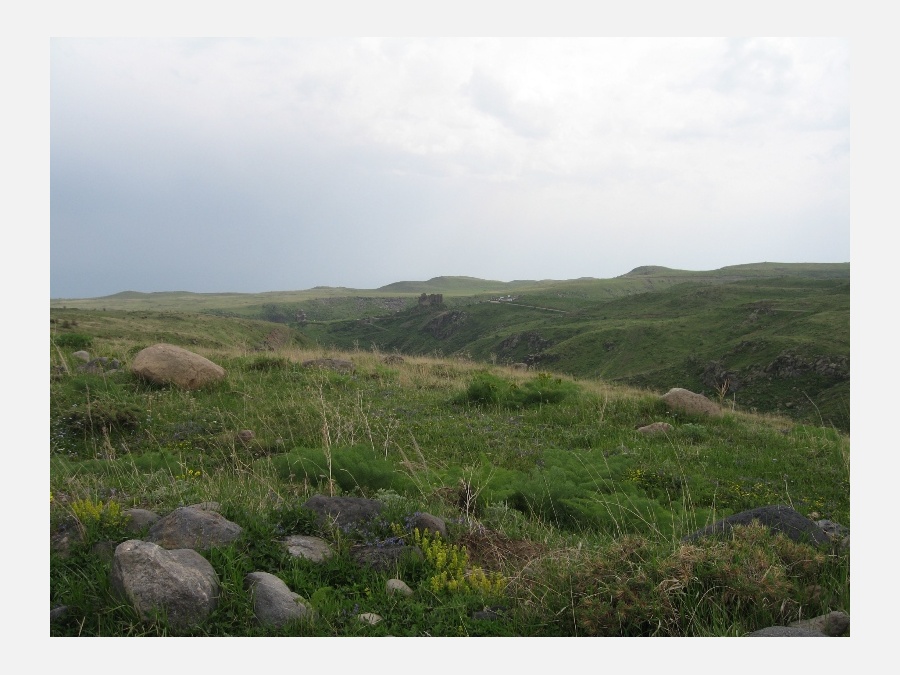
[613, 142]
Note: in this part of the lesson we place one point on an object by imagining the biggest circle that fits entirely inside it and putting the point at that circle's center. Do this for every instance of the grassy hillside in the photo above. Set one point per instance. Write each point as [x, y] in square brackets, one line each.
[772, 337]
[776, 344]
[543, 479]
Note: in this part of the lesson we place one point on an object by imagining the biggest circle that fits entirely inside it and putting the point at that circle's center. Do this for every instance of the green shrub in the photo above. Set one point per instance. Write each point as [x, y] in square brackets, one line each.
[352, 469]
[486, 389]
[73, 340]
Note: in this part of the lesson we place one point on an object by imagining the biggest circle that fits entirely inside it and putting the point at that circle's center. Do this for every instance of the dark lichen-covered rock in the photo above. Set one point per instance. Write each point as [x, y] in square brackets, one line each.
[343, 511]
[777, 518]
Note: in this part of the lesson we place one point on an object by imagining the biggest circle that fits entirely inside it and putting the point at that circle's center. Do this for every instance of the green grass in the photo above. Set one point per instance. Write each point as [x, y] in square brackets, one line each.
[543, 479]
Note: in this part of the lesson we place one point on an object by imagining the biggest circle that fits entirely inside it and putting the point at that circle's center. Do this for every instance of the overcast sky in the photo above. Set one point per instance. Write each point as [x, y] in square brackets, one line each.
[251, 165]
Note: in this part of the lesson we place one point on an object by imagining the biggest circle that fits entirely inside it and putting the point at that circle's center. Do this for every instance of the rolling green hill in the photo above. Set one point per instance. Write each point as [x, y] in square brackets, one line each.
[767, 337]
[773, 337]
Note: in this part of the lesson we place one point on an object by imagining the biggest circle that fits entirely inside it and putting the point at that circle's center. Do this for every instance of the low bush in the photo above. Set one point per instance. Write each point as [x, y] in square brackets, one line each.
[486, 389]
[73, 340]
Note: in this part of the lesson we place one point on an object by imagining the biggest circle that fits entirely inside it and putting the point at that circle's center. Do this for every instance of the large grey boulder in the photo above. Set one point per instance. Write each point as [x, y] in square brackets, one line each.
[833, 624]
[343, 511]
[167, 364]
[685, 401]
[190, 527]
[777, 518]
[180, 584]
[785, 631]
[274, 604]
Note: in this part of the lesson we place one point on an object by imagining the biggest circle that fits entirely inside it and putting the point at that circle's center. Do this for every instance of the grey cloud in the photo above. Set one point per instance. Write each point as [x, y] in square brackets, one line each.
[492, 98]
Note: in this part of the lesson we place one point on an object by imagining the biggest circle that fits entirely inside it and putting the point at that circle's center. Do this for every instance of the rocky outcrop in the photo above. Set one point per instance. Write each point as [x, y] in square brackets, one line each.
[180, 584]
[167, 364]
[687, 402]
[789, 365]
[445, 324]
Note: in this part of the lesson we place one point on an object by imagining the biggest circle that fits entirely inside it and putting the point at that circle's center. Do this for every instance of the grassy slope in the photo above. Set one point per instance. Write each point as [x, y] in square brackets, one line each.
[653, 327]
[690, 333]
[561, 479]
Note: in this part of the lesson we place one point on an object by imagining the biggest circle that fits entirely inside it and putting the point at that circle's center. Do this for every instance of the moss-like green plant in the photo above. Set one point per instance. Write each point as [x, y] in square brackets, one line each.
[73, 340]
[98, 520]
[486, 389]
[450, 569]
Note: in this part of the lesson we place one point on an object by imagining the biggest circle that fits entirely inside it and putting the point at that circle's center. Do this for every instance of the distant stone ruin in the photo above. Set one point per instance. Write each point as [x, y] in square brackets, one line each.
[433, 300]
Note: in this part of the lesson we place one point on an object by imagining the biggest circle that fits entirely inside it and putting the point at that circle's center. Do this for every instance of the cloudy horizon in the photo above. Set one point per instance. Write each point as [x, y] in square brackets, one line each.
[253, 165]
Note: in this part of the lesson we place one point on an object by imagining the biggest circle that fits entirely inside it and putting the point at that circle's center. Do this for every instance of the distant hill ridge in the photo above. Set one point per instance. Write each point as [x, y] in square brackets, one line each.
[470, 285]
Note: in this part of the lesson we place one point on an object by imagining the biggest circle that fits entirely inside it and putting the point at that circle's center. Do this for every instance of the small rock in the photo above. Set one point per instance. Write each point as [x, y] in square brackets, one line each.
[307, 547]
[396, 586]
[427, 522]
[139, 520]
[274, 603]
[82, 355]
[245, 435]
[656, 428]
[685, 401]
[369, 618]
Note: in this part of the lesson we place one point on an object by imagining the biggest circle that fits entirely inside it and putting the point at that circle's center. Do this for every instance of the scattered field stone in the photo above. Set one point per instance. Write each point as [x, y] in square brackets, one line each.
[656, 428]
[308, 547]
[370, 618]
[274, 604]
[82, 355]
[58, 612]
[343, 511]
[139, 519]
[489, 614]
[245, 435]
[192, 527]
[399, 587]
[167, 364]
[686, 401]
[180, 583]
[427, 522]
